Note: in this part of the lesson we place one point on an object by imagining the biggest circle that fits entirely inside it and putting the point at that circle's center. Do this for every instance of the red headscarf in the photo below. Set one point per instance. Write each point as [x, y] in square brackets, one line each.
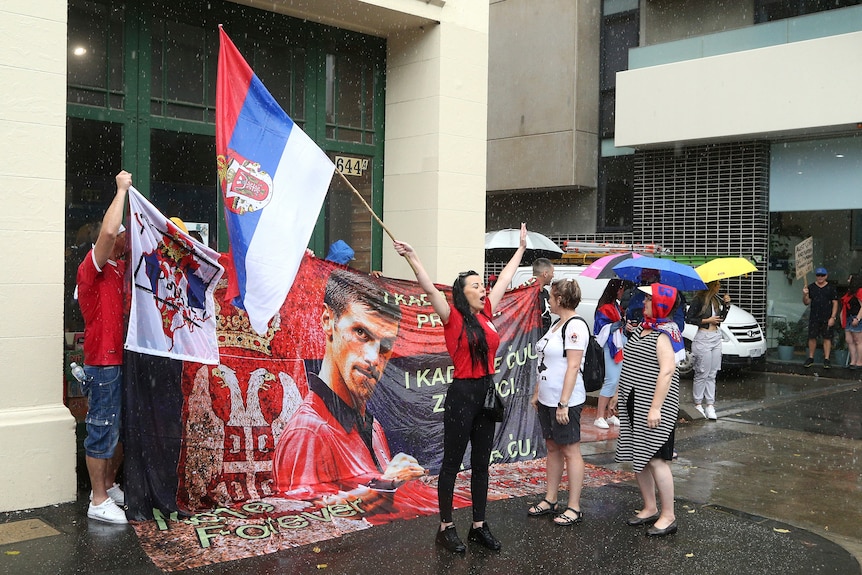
[663, 300]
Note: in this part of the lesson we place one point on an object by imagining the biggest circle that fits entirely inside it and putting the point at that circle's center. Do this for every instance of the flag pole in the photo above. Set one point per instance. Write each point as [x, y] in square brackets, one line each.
[364, 203]
[367, 207]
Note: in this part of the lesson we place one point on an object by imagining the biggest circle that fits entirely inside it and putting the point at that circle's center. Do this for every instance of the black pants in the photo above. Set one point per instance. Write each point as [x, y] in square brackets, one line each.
[464, 422]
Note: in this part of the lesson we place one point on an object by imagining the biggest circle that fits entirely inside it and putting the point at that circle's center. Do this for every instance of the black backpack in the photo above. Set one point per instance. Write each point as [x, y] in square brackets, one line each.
[594, 359]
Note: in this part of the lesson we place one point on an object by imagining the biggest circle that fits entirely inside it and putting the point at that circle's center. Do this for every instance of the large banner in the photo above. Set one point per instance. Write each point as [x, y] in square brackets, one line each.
[335, 411]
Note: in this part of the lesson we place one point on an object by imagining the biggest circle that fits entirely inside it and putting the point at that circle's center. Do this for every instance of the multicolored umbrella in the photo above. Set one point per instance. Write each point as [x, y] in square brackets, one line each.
[723, 268]
[671, 273]
[602, 268]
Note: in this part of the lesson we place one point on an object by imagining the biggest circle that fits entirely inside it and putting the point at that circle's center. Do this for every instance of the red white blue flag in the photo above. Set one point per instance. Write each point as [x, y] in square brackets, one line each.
[273, 179]
[173, 280]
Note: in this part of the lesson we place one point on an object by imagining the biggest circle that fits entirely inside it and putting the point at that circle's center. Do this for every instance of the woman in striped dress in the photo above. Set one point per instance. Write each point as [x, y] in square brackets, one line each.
[649, 403]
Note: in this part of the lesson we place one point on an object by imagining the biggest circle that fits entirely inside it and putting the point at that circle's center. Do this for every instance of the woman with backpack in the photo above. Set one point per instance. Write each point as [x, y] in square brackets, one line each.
[558, 398]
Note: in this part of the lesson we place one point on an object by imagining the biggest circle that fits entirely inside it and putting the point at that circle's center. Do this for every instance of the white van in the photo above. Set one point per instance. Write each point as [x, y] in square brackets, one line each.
[743, 341]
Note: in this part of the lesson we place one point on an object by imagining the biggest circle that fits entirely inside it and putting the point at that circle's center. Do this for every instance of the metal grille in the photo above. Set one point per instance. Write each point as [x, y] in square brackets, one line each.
[709, 201]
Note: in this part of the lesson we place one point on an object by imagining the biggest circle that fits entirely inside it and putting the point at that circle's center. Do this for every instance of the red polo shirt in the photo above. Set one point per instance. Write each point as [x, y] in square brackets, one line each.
[100, 295]
[322, 450]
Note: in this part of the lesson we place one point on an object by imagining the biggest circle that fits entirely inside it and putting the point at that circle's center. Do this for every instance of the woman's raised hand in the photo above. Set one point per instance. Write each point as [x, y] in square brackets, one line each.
[523, 242]
[402, 248]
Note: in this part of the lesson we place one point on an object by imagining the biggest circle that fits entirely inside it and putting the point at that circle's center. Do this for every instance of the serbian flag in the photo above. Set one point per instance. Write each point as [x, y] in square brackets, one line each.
[173, 280]
[273, 179]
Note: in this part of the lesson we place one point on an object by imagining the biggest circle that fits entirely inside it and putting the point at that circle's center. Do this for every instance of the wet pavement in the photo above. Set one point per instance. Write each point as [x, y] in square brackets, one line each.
[773, 486]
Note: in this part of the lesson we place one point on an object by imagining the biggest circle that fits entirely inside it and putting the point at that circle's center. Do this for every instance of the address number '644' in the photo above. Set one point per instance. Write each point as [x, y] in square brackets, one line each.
[351, 166]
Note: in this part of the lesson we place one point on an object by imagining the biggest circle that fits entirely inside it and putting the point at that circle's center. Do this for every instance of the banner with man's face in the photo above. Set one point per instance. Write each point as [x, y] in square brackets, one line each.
[284, 417]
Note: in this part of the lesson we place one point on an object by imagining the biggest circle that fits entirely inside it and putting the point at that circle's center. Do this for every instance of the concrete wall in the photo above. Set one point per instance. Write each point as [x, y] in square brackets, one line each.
[768, 92]
[543, 82]
[37, 432]
[436, 132]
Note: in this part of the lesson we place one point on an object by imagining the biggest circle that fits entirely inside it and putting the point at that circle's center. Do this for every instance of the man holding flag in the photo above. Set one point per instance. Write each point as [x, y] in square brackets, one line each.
[100, 295]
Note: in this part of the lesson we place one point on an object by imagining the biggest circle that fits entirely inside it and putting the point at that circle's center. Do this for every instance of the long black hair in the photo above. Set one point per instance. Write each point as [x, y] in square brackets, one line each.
[476, 342]
[610, 293]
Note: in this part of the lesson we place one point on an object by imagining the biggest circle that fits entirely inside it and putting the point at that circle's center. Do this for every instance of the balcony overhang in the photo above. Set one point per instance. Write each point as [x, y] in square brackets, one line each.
[790, 90]
[375, 17]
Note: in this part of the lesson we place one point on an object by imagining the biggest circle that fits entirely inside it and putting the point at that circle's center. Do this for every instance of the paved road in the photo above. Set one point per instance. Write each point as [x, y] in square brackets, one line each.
[786, 447]
[772, 487]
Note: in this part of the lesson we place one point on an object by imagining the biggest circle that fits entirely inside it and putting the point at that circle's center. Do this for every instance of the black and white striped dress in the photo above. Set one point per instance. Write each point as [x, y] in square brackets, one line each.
[637, 442]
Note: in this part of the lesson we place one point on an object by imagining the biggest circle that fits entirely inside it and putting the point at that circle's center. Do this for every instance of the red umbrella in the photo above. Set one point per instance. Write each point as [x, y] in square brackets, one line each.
[602, 268]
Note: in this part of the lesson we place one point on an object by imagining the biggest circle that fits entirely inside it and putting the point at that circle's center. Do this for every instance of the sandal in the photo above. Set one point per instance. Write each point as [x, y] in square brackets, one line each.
[536, 511]
[566, 521]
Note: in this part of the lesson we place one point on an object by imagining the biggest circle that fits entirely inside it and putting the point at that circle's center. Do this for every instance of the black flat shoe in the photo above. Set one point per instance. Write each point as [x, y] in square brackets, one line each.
[636, 521]
[449, 540]
[656, 532]
[483, 536]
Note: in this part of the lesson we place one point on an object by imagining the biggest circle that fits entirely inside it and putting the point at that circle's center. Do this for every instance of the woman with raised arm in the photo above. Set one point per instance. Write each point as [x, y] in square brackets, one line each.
[472, 341]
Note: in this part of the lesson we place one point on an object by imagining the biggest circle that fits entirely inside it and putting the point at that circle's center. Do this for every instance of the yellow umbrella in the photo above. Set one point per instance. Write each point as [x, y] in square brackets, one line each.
[723, 268]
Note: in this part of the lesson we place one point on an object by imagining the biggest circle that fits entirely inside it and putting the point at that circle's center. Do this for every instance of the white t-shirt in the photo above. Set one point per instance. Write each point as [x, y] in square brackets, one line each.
[552, 363]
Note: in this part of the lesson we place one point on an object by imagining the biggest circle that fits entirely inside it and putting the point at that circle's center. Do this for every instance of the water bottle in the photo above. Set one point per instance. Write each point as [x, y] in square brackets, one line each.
[78, 372]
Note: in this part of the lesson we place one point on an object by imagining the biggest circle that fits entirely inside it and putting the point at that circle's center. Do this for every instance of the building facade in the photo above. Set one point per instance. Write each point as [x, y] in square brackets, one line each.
[714, 129]
[95, 86]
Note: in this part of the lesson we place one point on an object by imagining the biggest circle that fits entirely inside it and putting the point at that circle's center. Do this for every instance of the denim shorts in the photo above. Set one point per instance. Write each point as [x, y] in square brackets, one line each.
[104, 392]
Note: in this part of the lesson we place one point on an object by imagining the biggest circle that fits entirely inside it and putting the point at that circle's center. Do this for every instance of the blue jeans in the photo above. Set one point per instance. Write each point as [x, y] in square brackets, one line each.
[104, 392]
[612, 374]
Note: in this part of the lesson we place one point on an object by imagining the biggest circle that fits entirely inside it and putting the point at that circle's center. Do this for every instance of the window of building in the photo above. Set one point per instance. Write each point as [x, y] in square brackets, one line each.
[770, 10]
[620, 32]
[616, 193]
[141, 97]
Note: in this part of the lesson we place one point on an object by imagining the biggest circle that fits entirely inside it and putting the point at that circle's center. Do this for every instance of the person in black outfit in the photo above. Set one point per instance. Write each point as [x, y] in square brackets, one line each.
[823, 299]
[543, 272]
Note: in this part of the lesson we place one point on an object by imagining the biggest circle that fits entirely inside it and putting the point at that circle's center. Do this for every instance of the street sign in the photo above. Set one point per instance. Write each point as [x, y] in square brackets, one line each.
[804, 257]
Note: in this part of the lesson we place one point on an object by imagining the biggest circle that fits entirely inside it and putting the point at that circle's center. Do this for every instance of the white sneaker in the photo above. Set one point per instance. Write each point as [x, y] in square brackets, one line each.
[601, 423]
[614, 420]
[710, 412]
[700, 410]
[115, 493]
[108, 512]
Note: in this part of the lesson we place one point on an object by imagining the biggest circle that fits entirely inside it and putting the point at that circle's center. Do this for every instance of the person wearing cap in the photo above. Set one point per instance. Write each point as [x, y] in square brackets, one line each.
[823, 299]
[649, 405]
[340, 252]
[100, 296]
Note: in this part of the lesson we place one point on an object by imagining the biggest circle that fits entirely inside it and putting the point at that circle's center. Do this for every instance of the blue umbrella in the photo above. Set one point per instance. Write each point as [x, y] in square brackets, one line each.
[671, 273]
